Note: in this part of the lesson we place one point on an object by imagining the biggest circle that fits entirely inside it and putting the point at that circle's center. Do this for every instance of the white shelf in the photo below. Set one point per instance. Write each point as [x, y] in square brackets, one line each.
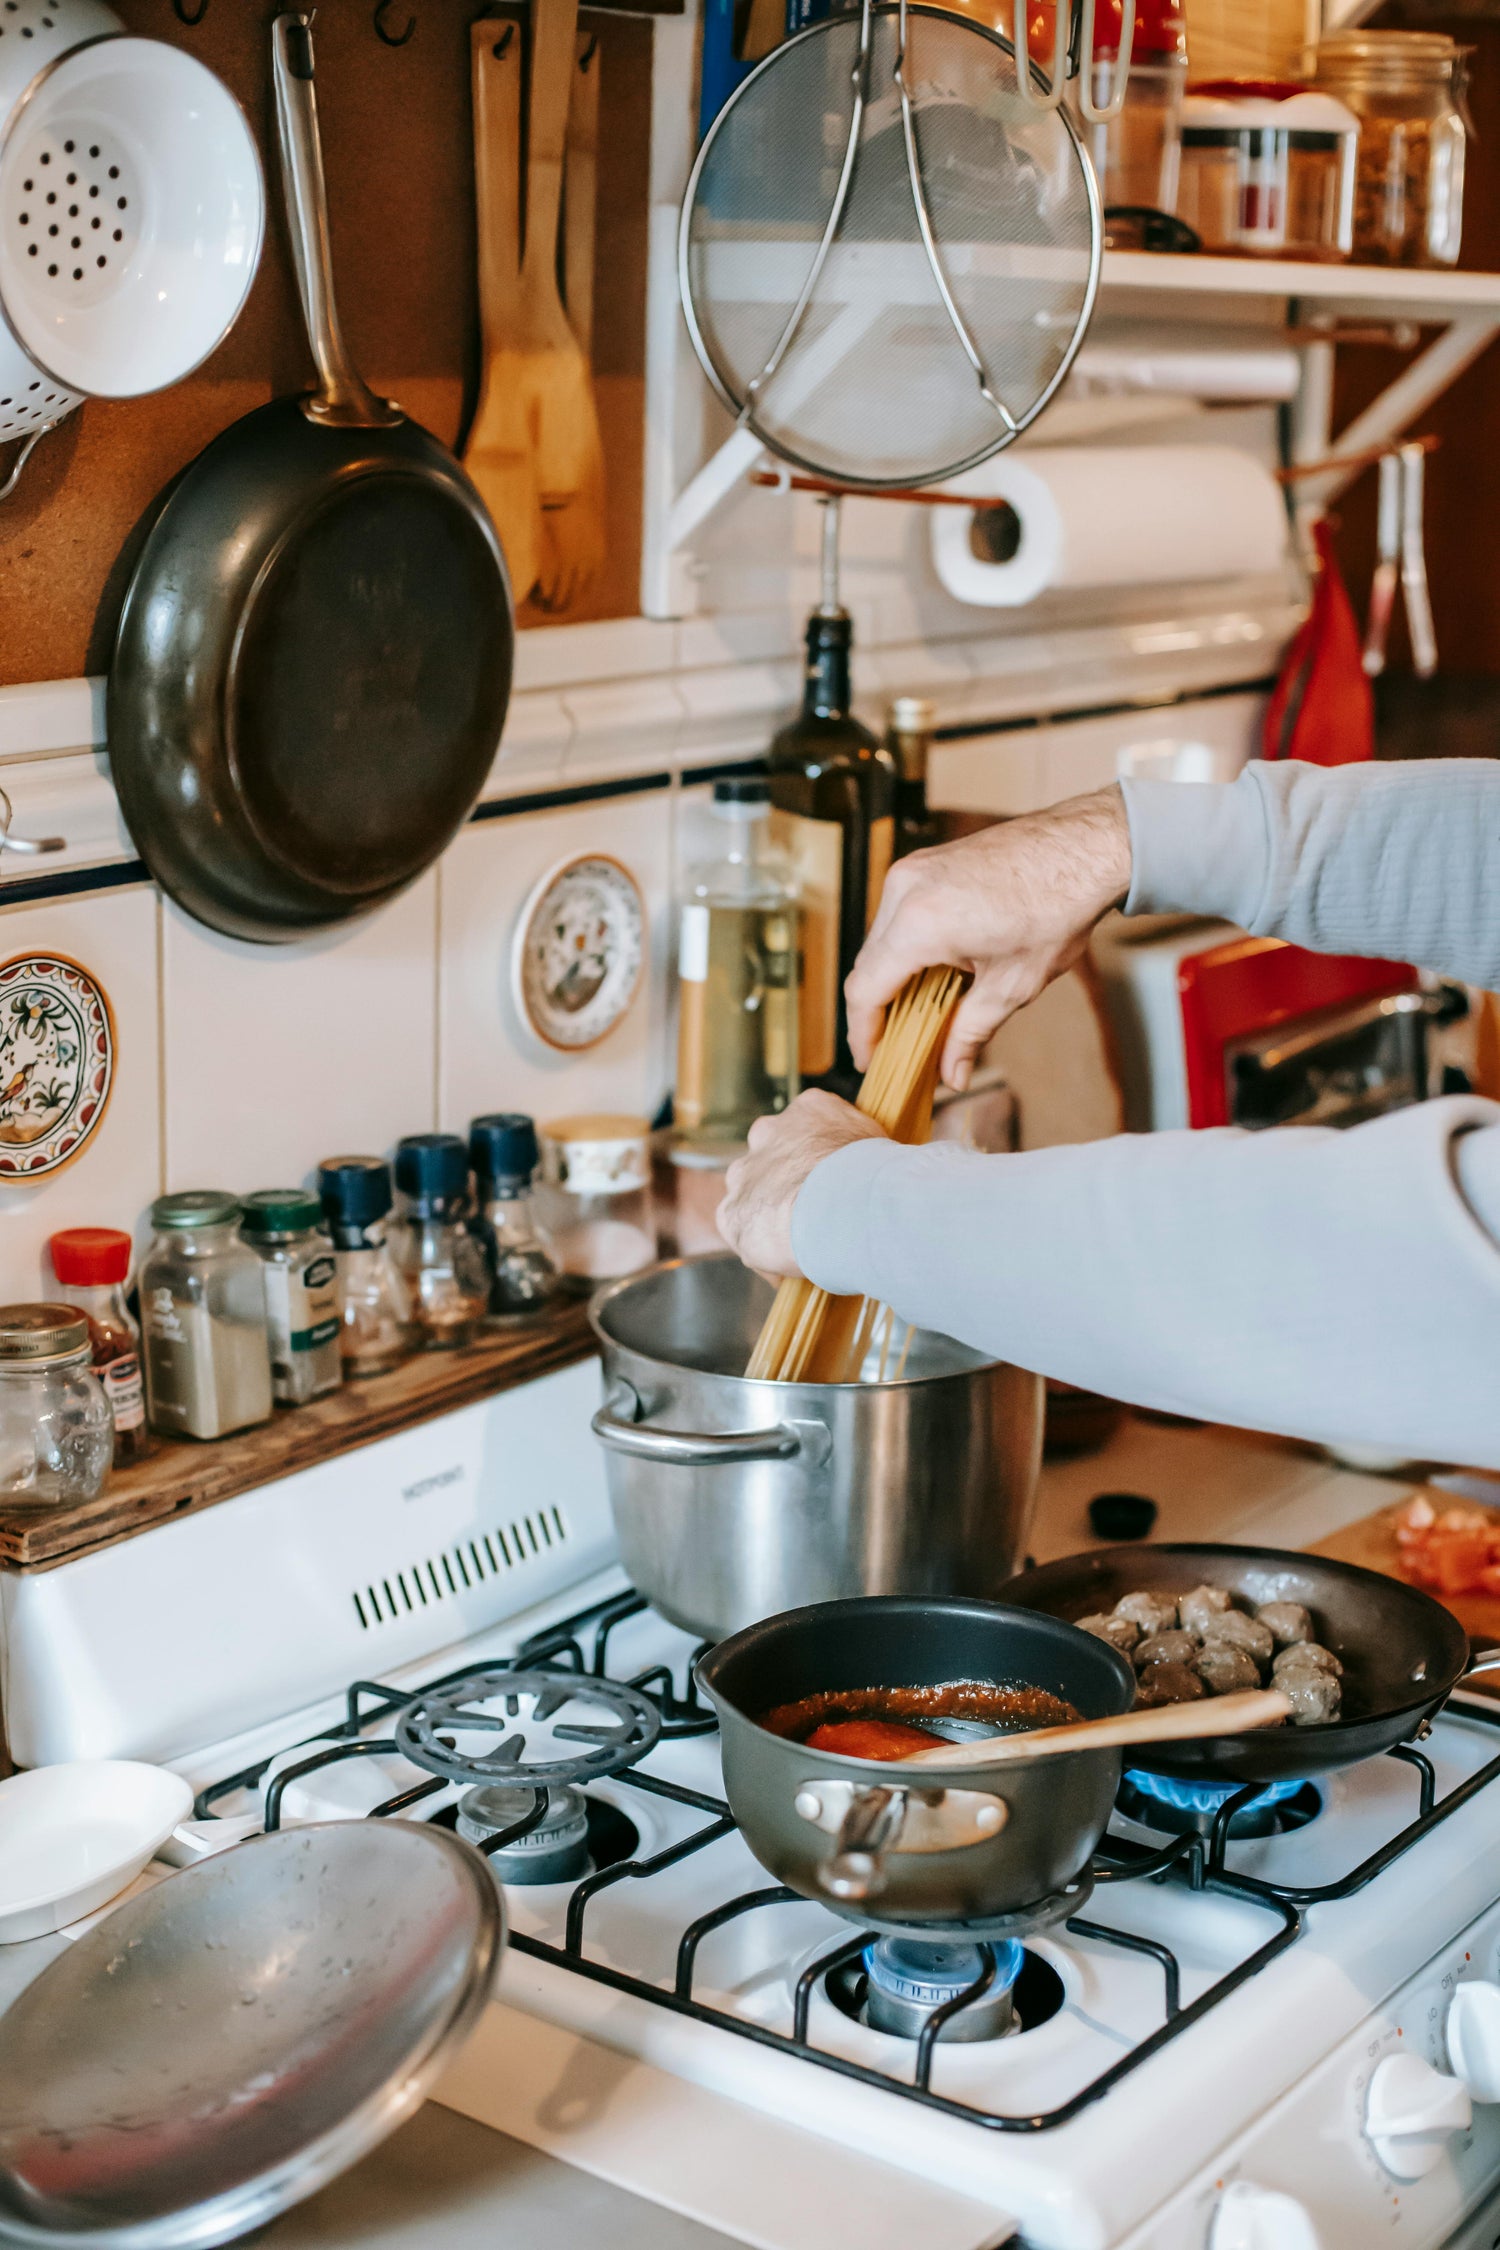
[1415, 293]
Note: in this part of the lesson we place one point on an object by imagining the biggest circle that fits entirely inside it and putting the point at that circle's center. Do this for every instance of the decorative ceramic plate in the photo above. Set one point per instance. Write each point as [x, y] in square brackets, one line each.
[57, 1062]
[579, 951]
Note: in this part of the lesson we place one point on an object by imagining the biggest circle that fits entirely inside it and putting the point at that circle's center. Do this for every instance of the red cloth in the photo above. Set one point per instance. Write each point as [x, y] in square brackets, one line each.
[1321, 708]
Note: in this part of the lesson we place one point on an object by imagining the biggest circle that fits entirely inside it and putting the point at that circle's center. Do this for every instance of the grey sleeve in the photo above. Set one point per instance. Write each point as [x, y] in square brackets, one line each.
[1324, 1285]
[1400, 862]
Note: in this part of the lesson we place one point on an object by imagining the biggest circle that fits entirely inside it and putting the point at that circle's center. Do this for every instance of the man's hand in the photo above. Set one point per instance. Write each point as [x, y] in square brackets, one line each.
[755, 1217]
[1013, 906]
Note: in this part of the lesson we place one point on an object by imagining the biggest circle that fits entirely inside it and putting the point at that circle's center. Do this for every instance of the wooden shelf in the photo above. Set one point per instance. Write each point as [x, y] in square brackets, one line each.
[1397, 292]
[180, 1477]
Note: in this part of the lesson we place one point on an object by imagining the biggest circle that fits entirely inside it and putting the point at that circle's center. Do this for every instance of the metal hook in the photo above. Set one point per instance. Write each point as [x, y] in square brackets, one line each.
[31, 846]
[501, 47]
[24, 455]
[391, 38]
[185, 14]
[589, 52]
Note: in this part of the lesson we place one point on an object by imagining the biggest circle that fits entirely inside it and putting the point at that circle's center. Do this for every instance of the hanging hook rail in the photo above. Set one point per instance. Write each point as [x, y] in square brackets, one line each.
[391, 38]
[783, 480]
[1366, 459]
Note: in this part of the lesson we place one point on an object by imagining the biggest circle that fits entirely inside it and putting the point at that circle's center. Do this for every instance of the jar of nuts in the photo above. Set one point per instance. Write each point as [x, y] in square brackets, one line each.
[1407, 90]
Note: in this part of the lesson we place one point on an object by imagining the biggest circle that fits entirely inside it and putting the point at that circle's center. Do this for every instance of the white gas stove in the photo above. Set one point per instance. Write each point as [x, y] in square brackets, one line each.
[1237, 2042]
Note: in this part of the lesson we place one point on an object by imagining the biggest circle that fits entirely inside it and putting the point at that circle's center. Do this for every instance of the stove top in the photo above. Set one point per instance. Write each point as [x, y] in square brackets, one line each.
[1074, 2081]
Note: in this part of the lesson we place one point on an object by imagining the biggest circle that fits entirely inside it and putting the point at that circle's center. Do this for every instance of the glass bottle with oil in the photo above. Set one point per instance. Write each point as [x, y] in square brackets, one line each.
[738, 965]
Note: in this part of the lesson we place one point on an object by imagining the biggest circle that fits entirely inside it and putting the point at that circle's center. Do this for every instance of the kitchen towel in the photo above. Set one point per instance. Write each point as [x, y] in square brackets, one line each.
[1093, 516]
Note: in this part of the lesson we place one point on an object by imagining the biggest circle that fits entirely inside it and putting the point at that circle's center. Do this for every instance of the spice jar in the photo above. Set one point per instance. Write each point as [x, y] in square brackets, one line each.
[523, 1275]
[203, 1313]
[284, 1227]
[596, 1197]
[1406, 88]
[56, 1430]
[1137, 152]
[1268, 170]
[374, 1302]
[443, 1265]
[91, 1265]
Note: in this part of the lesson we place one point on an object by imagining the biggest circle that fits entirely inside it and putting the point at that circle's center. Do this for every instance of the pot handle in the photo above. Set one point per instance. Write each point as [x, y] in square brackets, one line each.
[855, 1868]
[615, 1427]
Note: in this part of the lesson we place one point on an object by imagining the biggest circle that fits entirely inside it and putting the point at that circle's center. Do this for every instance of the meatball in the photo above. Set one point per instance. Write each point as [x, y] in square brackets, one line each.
[1169, 1683]
[1240, 1631]
[1289, 1621]
[1315, 1697]
[1120, 1632]
[1202, 1604]
[1225, 1669]
[1306, 1656]
[1166, 1648]
[1154, 1613]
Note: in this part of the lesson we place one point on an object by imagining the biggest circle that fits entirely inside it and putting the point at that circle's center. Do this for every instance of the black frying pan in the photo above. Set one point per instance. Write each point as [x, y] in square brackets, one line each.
[313, 660]
[1402, 1652]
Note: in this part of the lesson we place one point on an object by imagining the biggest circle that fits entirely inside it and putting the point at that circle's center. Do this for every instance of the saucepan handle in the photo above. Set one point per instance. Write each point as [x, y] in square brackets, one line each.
[855, 1868]
[615, 1426]
[1488, 1660]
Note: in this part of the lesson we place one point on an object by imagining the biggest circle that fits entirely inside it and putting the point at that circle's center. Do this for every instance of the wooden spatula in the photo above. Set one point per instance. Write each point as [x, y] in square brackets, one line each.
[500, 451]
[570, 457]
[1132, 1730]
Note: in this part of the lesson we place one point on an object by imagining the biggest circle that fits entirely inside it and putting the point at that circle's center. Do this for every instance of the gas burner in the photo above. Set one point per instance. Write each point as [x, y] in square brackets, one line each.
[998, 1929]
[1189, 1808]
[898, 1985]
[434, 1727]
[555, 1850]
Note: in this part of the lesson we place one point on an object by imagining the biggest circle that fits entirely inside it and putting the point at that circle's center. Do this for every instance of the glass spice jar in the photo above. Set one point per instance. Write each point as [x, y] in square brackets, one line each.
[374, 1302]
[284, 1227]
[1137, 153]
[523, 1276]
[92, 1265]
[57, 1434]
[443, 1265]
[1268, 170]
[595, 1199]
[203, 1313]
[1407, 89]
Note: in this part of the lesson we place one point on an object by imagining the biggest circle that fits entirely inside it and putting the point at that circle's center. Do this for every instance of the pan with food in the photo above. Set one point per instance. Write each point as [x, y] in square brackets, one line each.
[1365, 1659]
[977, 1853]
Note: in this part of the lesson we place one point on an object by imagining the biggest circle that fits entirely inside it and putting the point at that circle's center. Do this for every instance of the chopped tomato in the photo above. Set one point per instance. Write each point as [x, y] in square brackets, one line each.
[1456, 1551]
[885, 1739]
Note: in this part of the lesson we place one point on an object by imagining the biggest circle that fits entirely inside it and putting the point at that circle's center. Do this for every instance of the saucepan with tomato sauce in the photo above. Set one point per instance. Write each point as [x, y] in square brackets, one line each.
[819, 1707]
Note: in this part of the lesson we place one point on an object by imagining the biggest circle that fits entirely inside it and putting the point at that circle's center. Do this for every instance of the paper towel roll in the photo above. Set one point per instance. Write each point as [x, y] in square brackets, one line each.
[1095, 516]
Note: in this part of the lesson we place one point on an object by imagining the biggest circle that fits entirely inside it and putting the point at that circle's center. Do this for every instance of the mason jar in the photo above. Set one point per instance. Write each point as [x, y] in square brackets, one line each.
[57, 1433]
[1407, 90]
[203, 1320]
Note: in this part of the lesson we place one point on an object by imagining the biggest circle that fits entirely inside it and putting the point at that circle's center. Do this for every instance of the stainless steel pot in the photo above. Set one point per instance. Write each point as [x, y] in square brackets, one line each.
[735, 1500]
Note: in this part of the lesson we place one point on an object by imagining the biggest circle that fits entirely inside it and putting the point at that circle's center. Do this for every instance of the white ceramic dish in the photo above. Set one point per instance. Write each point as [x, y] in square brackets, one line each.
[132, 210]
[73, 1836]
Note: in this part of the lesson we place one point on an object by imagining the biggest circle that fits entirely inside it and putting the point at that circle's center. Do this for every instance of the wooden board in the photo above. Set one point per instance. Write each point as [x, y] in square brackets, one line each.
[399, 150]
[1372, 1543]
[182, 1477]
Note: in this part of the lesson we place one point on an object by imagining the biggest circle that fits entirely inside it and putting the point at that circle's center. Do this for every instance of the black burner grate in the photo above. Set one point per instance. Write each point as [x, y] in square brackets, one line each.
[580, 1646]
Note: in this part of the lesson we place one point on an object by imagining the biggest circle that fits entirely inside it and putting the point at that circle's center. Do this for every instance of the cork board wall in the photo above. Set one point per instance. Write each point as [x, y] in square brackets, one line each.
[398, 146]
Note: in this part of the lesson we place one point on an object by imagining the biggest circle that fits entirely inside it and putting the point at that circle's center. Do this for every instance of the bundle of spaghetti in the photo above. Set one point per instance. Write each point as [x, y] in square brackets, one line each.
[810, 1337]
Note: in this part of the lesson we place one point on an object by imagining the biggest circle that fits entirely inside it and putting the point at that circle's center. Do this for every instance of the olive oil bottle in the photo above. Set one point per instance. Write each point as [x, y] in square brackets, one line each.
[737, 971]
[833, 785]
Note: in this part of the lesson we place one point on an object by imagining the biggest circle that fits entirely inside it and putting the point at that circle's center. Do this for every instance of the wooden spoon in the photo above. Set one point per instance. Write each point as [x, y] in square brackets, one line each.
[552, 366]
[500, 450]
[1130, 1730]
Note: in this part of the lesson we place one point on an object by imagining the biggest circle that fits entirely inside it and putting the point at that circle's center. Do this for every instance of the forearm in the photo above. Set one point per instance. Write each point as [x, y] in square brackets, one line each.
[1392, 861]
[1322, 1285]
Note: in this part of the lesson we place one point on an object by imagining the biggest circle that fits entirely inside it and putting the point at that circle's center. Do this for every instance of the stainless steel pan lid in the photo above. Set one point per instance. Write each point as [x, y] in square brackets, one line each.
[222, 2046]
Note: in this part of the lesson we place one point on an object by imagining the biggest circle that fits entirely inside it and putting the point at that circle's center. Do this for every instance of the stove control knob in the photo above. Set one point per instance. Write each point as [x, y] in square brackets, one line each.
[1260, 2218]
[1412, 2112]
[1474, 2038]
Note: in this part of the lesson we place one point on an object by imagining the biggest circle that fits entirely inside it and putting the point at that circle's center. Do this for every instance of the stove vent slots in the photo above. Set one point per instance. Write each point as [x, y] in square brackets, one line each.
[457, 1569]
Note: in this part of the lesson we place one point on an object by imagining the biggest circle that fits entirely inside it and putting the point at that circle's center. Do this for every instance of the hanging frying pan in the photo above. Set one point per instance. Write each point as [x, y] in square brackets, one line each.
[313, 659]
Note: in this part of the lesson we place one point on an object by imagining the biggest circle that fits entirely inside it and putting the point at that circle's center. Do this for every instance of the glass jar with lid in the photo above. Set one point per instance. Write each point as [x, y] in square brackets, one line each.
[595, 1197]
[284, 1227]
[374, 1303]
[57, 1434]
[1137, 152]
[523, 1276]
[1406, 88]
[443, 1265]
[1268, 170]
[92, 1265]
[203, 1318]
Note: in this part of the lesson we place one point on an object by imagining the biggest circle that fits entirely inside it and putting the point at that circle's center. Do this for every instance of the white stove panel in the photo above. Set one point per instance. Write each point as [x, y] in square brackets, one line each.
[202, 1627]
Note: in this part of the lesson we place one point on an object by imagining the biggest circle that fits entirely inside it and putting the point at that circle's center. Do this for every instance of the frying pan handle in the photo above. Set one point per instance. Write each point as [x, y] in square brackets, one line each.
[855, 1868]
[343, 399]
[1488, 1660]
[692, 1449]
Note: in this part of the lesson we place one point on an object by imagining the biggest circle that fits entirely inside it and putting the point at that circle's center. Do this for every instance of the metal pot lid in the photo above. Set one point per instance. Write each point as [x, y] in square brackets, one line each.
[222, 2046]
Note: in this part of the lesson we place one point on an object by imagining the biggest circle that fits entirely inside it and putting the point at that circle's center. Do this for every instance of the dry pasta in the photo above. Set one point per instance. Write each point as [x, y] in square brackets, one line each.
[810, 1337]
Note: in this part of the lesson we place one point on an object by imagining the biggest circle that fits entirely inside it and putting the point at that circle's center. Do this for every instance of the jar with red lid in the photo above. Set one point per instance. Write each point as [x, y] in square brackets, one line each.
[1135, 155]
[92, 1265]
